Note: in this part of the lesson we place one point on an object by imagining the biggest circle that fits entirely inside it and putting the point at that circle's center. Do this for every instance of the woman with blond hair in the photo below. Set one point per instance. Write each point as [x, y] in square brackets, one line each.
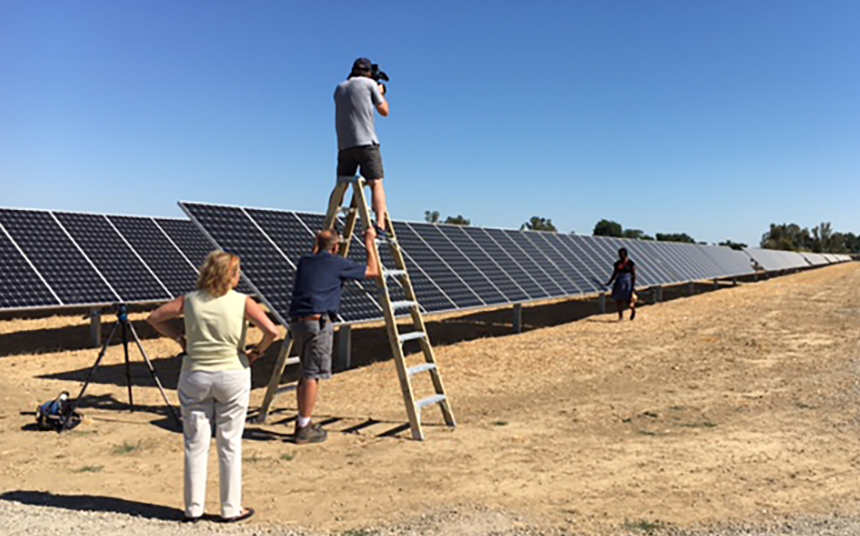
[215, 381]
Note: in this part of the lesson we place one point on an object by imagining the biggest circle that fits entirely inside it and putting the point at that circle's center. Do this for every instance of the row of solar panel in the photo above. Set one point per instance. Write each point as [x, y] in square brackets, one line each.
[55, 259]
[455, 267]
[774, 260]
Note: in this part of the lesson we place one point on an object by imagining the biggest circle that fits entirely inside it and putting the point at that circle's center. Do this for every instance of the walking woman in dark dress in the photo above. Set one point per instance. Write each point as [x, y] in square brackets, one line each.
[624, 276]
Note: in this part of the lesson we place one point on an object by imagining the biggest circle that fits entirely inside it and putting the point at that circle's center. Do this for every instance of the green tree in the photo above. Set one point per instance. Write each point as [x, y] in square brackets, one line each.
[636, 234]
[458, 220]
[431, 216]
[608, 228]
[675, 237]
[537, 223]
[733, 245]
[789, 237]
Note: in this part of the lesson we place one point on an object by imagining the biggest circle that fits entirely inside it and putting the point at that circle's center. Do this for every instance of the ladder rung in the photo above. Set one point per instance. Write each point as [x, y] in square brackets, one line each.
[423, 367]
[429, 401]
[411, 336]
[405, 304]
[347, 210]
[393, 273]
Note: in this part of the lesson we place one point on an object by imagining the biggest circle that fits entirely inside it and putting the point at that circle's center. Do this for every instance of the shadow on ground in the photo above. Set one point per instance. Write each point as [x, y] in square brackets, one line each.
[93, 503]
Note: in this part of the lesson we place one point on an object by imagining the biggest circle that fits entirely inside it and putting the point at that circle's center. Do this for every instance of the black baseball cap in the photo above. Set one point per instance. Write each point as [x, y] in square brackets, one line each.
[362, 64]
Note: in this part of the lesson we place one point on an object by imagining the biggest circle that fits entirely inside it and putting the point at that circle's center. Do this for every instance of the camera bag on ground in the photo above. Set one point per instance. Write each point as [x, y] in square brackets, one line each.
[51, 415]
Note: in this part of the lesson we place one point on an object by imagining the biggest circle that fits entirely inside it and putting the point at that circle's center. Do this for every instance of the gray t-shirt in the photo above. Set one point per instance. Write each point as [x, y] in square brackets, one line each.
[355, 104]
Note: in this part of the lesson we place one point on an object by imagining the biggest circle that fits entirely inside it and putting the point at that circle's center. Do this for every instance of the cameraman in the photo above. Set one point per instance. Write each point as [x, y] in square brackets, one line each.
[355, 101]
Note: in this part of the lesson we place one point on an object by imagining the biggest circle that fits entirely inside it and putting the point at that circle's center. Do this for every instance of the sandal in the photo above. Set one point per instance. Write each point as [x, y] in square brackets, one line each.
[247, 513]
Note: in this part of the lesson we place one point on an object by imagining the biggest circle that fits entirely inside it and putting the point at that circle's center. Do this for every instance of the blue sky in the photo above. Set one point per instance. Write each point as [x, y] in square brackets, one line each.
[711, 118]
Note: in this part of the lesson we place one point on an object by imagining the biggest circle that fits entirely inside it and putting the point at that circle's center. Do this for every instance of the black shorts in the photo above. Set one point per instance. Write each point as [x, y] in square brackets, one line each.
[366, 157]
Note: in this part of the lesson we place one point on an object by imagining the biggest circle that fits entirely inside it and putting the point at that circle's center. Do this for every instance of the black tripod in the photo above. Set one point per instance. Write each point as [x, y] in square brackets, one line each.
[125, 327]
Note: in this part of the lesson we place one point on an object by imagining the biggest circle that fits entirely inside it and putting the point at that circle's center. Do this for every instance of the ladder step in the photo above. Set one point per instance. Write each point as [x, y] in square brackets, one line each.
[405, 304]
[393, 273]
[403, 337]
[429, 401]
[423, 367]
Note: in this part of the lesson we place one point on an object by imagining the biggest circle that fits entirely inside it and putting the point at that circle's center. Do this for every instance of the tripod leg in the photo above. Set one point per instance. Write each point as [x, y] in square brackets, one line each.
[127, 364]
[154, 375]
[89, 377]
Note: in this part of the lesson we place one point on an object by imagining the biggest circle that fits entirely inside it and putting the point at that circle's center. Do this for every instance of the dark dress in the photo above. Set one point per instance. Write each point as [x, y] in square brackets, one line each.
[622, 289]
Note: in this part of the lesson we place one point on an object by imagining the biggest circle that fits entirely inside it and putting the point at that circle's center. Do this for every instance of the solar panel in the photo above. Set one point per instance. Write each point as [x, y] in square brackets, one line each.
[586, 278]
[655, 271]
[53, 254]
[564, 273]
[591, 261]
[268, 268]
[511, 291]
[531, 265]
[127, 275]
[506, 262]
[156, 250]
[20, 285]
[454, 258]
[435, 269]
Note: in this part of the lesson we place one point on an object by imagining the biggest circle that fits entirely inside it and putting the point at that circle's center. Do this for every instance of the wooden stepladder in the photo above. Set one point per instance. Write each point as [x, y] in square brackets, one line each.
[358, 209]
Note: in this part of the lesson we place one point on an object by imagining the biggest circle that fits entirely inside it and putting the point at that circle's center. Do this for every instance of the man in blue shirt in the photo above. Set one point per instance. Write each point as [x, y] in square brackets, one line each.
[356, 102]
[315, 304]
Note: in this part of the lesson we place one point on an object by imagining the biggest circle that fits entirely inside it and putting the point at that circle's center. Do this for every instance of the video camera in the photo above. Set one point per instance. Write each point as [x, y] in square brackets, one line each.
[377, 74]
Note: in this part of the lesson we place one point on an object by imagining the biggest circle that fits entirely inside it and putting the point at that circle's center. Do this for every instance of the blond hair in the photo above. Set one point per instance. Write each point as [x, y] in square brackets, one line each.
[217, 273]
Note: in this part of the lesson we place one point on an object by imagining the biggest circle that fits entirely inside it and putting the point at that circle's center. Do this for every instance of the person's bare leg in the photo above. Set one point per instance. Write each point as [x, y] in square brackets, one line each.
[378, 201]
[632, 310]
[620, 306]
[306, 395]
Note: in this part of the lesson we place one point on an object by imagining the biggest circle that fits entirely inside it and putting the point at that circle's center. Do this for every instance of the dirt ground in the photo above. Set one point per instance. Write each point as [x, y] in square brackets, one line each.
[736, 405]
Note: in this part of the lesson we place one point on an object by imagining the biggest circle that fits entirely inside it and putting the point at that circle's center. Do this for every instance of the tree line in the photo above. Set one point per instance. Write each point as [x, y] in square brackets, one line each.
[820, 239]
[787, 236]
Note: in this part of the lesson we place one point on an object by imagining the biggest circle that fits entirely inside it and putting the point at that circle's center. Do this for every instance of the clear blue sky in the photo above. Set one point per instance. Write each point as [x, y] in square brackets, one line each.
[711, 118]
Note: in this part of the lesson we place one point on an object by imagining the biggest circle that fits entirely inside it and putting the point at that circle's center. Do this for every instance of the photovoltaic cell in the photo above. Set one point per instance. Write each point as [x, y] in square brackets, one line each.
[56, 258]
[20, 285]
[263, 264]
[603, 258]
[459, 264]
[437, 271]
[487, 265]
[506, 262]
[156, 250]
[551, 246]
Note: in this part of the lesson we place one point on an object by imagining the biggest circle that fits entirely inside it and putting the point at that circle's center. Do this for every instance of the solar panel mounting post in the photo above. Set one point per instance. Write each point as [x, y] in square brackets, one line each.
[601, 302]
[96, 327]
[358, 208]
[518, 317]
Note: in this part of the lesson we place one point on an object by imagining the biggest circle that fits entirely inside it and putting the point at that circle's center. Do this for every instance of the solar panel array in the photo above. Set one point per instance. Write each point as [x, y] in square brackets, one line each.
[455, 267]
[54, 259]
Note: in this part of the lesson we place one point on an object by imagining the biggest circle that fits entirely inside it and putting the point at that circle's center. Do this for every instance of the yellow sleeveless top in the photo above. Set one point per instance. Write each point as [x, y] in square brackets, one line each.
[215, 331]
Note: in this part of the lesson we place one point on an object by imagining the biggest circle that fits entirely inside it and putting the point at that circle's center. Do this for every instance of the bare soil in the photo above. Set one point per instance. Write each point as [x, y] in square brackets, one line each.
[730, 406]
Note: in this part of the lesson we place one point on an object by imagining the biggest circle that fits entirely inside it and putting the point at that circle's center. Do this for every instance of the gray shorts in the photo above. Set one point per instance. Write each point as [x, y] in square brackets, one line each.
[366, 157]
[314, 342]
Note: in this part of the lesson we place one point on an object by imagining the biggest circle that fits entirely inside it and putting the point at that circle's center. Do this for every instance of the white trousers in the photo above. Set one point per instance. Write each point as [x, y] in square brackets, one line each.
[222, 398]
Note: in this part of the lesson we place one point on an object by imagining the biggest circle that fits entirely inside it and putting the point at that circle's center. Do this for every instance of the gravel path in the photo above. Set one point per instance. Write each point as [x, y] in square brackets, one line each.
[17, 519]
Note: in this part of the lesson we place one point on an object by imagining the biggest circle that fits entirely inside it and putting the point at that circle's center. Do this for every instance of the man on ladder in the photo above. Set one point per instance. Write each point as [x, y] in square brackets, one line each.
[358, 147]
[315, 303]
